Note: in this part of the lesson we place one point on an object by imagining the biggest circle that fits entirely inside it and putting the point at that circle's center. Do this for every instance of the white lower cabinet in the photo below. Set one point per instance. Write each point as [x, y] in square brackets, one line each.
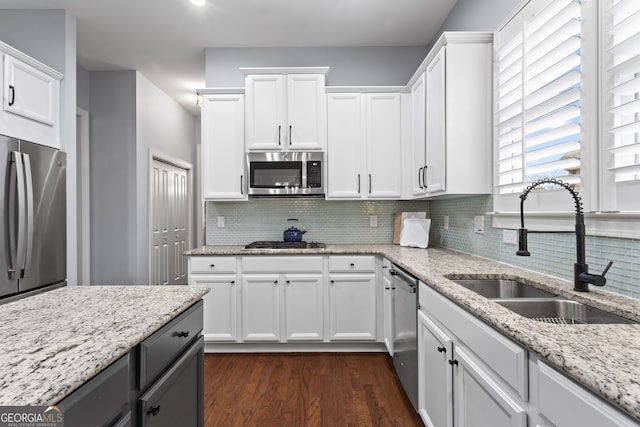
[479, 398]
[261, 307]
[282, 298]
[387, 306]
[220, 314]
[468, 374]
[435, 383]
[563, 403]
[352, 298]
[303, 307]
[221, 306]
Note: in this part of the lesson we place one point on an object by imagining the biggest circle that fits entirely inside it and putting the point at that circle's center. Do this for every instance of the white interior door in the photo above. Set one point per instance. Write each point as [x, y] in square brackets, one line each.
[170, 223]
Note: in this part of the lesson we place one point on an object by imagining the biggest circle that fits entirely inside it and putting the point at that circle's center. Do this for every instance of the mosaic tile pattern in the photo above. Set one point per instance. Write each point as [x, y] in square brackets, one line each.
[552, 254]
[325, 221]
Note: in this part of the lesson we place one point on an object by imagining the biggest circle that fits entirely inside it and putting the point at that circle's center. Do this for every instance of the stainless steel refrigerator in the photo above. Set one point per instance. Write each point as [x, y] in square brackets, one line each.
[33, 249]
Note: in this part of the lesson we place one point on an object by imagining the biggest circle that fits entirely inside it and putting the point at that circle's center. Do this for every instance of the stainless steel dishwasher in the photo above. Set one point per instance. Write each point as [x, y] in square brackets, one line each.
[405, 334]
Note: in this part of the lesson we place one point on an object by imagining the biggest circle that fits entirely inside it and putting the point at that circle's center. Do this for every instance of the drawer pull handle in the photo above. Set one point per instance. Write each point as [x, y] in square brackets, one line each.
[183, 334]
[153, 410]
[442, 349]
[352, 265]
[453, 362]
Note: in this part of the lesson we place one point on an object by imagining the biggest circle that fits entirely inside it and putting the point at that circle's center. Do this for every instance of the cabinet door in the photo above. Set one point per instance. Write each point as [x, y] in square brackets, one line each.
[220, 316]
[436, 131]
[352, 307]
[387, 287]
[223, 154]
[177, 398]
[417, 173]
[29, 92]
[265, 112]
[477, 396]
[306, 112]
[261, 307]
[384, 146]
[303, 307]
[435, 383]
[345, 142]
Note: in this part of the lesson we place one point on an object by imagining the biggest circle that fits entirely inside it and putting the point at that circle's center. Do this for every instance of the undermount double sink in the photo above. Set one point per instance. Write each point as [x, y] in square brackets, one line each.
[538, 304]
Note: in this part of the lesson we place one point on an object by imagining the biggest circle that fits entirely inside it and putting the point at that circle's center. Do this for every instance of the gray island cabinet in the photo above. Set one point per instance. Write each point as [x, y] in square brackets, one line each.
[120, 356]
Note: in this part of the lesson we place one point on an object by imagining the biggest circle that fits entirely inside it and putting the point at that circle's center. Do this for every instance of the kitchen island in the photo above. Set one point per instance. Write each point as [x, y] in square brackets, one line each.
[601, 357]
[54, 342]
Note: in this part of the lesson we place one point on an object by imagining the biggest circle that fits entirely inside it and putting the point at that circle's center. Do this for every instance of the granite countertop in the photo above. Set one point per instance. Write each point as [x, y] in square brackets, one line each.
[603, 358]
[54, 342]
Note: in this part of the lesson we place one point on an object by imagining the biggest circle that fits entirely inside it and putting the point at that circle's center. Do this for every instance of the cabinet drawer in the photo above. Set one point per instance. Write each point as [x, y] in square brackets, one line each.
[348, 264]
[161, 348]
[176, 399]
[209, 264]
[282, 264]
[506, 358]
[102, 400]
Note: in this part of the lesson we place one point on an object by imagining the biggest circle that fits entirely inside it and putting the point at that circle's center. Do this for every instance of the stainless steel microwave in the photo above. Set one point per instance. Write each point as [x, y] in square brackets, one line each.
[286, 174]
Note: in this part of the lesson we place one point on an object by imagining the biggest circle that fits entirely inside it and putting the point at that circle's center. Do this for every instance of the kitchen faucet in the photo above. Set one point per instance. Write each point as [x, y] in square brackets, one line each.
[581, 276]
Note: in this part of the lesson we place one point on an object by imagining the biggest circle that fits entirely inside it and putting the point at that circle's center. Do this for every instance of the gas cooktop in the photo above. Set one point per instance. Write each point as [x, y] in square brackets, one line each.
[275, 244]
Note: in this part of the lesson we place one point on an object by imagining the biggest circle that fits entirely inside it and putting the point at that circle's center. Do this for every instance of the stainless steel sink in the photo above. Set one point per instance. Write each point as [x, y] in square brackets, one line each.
[560, 311]
[500, 288]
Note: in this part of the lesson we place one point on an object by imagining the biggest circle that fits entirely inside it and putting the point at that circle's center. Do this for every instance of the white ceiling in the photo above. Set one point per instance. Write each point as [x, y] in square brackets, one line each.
[165, 39]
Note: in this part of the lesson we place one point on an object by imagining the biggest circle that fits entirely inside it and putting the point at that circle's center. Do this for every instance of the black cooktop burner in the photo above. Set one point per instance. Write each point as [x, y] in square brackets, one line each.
[275, 244]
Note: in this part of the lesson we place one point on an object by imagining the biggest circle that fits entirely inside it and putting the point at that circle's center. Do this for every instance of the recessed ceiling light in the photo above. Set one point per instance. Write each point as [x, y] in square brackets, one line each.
[198, 2]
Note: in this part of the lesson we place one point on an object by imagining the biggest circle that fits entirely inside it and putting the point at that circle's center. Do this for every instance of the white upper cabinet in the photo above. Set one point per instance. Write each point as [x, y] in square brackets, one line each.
[30, 98]
[417, 146]
[285, 111]
[451, 105]
[223, 155]
[364, 145]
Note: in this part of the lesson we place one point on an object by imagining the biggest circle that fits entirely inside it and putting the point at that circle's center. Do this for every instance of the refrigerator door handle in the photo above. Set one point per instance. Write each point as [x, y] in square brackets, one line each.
[29, 212]
[16, 219]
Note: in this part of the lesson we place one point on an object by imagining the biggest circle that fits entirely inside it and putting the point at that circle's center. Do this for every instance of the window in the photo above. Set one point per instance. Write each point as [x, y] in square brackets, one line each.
[621, 102]
[567, 106]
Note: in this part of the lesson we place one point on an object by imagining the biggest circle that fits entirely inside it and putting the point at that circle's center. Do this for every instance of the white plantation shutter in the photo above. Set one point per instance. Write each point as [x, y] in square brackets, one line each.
[538, 118]
[621, 45]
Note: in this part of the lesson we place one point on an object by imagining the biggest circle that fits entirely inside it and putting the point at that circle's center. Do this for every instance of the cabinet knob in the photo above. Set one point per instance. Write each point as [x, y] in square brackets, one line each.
[453, 362]
[288, 281]
[352, 265]
[212, 265]
[183, 334]
[275, 282]
[153, 410]
[442, 349]
[233, 282]
[332, 281]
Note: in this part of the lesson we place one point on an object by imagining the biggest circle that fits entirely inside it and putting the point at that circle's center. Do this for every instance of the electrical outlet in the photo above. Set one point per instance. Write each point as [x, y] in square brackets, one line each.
[510, 237]
[446, 222]
[220, 221]
[373, 221]
[478, 224]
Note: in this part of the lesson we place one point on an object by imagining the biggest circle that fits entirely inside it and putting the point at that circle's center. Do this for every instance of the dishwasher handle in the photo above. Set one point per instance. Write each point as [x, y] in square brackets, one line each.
[404, 276]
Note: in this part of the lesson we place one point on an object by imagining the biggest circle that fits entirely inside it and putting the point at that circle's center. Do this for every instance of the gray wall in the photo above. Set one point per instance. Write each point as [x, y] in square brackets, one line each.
[349, 66]
[113, 177]
[83, 89]
[130, 118]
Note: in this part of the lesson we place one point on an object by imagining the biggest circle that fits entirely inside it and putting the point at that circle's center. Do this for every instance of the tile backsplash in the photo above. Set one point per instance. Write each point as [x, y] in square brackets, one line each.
[348, 222]
[552, 254]
[325, 221]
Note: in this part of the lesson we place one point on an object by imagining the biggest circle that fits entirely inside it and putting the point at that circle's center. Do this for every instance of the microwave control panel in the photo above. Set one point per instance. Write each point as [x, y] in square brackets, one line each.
[314, 174]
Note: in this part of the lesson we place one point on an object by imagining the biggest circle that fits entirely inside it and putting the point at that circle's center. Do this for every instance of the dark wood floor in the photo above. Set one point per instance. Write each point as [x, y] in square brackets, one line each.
[304, 389]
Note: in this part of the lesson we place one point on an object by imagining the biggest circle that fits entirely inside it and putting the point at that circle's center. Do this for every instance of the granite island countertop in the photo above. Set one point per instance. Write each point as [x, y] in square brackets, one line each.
[603, 358]
[54, 342]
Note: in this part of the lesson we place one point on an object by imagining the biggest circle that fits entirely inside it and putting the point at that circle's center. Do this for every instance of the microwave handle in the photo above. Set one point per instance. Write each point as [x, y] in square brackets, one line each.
[241, 182]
